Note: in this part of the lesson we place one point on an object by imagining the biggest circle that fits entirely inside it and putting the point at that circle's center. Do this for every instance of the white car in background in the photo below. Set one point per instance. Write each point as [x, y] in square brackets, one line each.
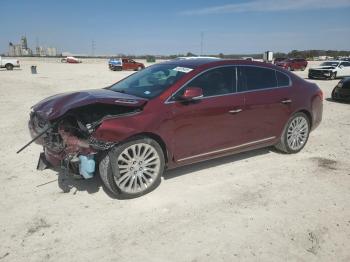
[9, 64]
[330, 70]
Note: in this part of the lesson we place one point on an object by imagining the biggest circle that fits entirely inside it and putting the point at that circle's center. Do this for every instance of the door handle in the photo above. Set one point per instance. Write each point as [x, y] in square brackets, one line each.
[235, 111]
[286, 101]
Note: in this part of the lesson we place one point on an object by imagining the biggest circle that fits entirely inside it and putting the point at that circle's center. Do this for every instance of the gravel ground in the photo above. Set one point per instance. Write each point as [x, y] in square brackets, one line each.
[260, 205]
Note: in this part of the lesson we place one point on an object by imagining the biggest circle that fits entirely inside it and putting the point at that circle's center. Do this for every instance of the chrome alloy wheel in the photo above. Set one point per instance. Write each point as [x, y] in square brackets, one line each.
[297, 133]
[139, 166]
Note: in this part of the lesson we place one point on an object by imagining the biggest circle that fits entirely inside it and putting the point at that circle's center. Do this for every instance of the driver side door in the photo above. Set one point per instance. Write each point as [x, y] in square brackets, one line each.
[205, 126]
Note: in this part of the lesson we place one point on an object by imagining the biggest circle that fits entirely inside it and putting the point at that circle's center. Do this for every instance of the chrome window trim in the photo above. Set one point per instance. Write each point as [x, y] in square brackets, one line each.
[169, 101]
[227, 149]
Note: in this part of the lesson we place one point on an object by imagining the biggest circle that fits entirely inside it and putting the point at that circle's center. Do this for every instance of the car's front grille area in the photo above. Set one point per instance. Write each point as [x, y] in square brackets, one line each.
[317, 73]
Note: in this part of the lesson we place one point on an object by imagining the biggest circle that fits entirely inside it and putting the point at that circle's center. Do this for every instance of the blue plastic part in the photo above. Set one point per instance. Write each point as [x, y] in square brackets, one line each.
[87, 166]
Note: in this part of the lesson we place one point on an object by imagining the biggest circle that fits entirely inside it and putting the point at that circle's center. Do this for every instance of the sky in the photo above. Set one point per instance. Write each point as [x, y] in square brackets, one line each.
[174, 27]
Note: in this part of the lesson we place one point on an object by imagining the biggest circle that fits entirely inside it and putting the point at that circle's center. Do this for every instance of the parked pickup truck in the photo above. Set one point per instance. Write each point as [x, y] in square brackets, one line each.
[292, 64]
[9, 64]
[119, 64]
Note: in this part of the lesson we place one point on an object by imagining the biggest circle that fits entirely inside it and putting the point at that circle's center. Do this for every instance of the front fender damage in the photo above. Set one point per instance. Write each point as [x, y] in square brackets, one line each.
[70, 142]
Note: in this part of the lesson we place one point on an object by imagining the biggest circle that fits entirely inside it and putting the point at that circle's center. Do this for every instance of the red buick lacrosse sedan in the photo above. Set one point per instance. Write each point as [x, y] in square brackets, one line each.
[171, 114]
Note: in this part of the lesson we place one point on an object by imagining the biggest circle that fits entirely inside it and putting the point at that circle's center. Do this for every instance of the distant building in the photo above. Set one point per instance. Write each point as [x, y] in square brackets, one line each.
[51, 51]
[20, 49]
[24, 42]
[40, 51]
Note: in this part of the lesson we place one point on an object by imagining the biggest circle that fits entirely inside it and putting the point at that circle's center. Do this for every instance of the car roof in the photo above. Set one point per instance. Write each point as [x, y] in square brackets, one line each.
[211, 62]
[192, 62]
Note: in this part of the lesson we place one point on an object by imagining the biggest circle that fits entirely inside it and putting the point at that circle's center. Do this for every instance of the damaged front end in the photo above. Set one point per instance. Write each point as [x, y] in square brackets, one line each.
[68, 139]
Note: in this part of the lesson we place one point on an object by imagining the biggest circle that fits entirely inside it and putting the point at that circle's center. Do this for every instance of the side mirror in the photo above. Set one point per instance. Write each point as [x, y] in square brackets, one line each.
[192, 93]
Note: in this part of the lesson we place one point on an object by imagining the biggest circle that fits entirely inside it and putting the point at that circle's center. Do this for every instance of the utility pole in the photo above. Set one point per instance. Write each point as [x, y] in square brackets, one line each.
[93, 47]
[202, 35]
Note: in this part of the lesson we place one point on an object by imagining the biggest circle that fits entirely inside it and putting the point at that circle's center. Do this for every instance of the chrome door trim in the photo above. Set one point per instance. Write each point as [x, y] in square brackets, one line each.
[235, 111]
[227, 149]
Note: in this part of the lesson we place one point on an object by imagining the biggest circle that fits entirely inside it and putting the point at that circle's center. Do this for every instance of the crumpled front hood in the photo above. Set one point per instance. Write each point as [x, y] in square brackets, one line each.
[57, 105]
[323, 67]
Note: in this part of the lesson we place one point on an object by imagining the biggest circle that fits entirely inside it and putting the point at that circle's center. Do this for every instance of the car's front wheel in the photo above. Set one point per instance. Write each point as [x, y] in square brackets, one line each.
[295, 134]
[134, 168]
[9, 67]
[333, 76]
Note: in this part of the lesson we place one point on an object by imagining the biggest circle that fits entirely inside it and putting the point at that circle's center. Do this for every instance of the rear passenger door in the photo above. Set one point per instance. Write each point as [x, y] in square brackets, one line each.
[268, 100]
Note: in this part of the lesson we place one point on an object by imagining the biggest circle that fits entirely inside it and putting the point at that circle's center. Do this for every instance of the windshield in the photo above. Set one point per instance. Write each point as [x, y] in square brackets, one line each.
[335, 64]
[150, 82]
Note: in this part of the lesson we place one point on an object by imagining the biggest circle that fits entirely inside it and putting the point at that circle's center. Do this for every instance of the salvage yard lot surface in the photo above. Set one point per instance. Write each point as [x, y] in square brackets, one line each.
[260, 205]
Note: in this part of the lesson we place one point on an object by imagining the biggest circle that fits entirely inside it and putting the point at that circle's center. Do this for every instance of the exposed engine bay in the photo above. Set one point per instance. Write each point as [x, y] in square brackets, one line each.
[69, 142]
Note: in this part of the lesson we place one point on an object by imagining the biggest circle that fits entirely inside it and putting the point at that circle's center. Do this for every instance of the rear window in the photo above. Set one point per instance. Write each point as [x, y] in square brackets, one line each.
[282, 79]
[259, 78]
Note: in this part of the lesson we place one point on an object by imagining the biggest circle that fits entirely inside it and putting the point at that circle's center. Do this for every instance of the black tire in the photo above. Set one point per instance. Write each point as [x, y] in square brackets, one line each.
[9, 66]
[333, 76]
[108, 176]
[333, 95]
[283, 145]
[118, 68]
[310, 77]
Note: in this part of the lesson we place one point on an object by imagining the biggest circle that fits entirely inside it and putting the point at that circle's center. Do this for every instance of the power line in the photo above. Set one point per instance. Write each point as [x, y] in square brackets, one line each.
[202, 35]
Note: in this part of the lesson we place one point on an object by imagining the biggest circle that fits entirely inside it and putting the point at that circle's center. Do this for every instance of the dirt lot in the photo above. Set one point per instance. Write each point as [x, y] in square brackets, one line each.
[260, 206]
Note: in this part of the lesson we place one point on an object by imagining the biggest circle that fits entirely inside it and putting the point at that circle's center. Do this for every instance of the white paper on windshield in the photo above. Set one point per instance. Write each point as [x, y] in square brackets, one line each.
[183, 69]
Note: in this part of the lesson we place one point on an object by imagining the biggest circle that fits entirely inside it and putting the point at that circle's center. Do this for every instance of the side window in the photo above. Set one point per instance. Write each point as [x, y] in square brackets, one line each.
[217, 81]
[259, 78]
[345, 64]
[282, 79]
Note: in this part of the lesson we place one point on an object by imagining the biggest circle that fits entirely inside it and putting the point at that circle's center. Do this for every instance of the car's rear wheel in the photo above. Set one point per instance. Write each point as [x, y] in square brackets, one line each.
[9, 67]
[333, 76]
[133, 168]
[295, 134]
